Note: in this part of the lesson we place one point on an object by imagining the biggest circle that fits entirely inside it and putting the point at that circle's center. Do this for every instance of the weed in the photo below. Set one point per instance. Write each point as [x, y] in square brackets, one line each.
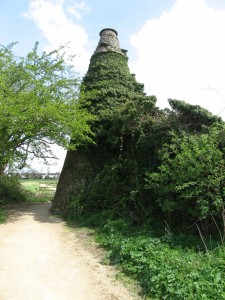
[165, 267]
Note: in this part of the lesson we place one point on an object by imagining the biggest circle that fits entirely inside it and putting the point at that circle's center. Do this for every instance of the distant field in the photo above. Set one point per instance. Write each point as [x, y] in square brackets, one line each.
[45, 187]
[30, 185]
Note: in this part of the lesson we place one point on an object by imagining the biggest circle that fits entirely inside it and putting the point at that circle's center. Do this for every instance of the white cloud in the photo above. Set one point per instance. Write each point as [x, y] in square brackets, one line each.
[76, 7]
[58, 29]
[54, 165]
[51, 18]
[182, 55]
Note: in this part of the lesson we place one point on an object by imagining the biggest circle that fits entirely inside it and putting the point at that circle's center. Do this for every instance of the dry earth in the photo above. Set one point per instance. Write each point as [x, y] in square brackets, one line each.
[40, 259]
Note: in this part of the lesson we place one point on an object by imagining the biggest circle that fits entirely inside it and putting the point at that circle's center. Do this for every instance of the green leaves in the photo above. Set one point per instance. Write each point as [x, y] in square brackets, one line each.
[39, 105]
[162, 270]
[115, 97]
[191, 177]
[192, 117]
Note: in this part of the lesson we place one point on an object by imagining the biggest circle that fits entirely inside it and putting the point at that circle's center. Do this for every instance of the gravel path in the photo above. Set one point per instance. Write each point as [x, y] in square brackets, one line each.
[40, 259]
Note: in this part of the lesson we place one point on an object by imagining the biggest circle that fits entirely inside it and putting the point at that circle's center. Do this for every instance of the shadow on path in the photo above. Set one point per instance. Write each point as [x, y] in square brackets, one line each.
[39, 211]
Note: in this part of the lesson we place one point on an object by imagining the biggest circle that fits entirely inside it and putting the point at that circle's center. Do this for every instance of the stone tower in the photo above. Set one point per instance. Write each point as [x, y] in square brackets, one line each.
[109, 42]
[78, 167]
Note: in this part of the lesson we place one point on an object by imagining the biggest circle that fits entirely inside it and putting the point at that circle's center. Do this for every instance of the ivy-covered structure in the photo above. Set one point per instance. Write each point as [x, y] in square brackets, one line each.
[133, 170]
[111, 93]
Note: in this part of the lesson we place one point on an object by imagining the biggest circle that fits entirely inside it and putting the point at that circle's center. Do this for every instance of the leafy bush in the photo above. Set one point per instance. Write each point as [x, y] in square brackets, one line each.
[11, 190]
[190, 179]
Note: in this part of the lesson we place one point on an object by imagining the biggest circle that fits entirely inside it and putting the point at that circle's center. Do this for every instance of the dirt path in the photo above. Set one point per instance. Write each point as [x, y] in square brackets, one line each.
[40, 259]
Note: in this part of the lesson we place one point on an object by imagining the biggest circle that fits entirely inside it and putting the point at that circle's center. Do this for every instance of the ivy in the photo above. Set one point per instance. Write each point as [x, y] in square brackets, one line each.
[190, 179]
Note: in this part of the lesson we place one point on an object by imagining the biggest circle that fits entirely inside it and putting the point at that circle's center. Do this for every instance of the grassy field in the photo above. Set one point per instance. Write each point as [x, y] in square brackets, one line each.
[30, 185]
[43, 188]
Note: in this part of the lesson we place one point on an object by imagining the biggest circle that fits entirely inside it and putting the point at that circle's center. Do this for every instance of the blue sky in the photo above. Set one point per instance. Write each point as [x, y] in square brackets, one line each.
[126, 16]
[171, 43]
[175, 47]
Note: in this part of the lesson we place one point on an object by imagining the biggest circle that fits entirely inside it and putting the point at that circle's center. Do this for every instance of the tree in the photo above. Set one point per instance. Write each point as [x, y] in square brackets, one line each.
[38, 105]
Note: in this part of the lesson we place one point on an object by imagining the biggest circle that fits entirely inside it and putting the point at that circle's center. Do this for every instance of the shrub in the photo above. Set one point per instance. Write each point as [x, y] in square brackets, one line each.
[11, 190]
[2, 216]
[190, 179]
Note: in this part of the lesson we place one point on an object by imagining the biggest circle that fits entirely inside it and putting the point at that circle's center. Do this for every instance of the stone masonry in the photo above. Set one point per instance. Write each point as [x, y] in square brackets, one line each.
[109, 42]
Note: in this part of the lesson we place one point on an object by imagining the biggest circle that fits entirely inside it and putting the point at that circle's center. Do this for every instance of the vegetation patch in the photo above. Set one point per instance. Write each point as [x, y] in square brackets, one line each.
[40, 190]
[2, 215]
[167, 266]
[11, 190]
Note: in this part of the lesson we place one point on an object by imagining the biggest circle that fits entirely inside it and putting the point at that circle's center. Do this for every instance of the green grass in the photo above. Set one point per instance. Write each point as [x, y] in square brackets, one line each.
[30, 185]
[33, 185]
[37, 193]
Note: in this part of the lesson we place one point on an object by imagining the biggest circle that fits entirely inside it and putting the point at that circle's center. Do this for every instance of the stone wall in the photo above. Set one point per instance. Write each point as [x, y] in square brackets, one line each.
[74, 175]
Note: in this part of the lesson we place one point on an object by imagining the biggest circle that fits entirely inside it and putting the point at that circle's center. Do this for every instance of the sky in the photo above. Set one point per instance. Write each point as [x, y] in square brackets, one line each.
[175, 47]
